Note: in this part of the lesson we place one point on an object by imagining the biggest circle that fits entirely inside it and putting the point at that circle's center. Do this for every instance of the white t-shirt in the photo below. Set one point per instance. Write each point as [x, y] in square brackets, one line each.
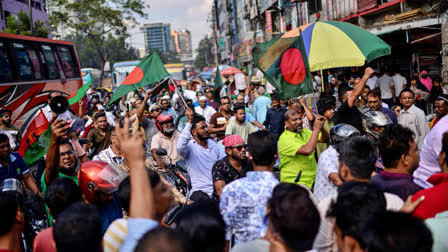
[385, 83]
[399, 82]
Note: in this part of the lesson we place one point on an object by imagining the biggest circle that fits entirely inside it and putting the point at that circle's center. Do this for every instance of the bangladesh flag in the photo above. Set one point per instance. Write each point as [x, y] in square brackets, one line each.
[36, 139]
[285, 65]
[79, 94]
[148, 71]
[218, 85]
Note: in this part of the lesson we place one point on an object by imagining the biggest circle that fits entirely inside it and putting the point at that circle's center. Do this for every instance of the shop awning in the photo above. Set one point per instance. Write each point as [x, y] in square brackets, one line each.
[411, 24]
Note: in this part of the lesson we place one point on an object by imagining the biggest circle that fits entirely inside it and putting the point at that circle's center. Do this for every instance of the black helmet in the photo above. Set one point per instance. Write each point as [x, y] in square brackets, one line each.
[341, 132]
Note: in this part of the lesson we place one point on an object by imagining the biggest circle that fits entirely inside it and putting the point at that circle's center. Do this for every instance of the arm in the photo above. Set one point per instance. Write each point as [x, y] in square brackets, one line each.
[356, 92]
[154, 146]
[309, 147]
[219, 185]
[325, 136]
[185, 136]
[392, 88]
[29, 181]
[213, 130]
[58, 129]
[80, 113]
[334, 177]
[143, 106]
[308, 113]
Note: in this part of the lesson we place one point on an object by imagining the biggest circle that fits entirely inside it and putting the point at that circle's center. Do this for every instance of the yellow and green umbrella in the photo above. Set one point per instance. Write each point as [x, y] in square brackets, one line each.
[331, 44]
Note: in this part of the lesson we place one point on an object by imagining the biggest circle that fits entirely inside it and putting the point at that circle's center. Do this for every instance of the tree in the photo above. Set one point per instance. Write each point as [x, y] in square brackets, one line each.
[204, 54]
[97, 20]
[171, 57]
[21, 25]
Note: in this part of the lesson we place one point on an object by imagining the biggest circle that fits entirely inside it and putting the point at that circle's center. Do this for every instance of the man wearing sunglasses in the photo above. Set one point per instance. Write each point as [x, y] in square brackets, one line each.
[148, 124]
[231, 167]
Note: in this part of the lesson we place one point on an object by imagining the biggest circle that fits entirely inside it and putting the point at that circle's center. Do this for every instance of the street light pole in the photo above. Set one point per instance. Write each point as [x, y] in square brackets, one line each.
[31, 17]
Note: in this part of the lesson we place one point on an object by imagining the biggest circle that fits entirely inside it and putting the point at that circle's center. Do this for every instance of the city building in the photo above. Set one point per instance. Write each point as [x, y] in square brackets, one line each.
[142, 53]
[181, 44]
[13, 7]
[157, 36]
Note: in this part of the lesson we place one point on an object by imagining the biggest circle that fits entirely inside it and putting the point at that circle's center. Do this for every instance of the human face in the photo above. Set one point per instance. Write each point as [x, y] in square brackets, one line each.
[164, 104]
[201, 131]
[294, 123]
[146, 114]
[407, 99]
[202, 103]
[114, 139]
[5, 150]
[329, 114]
[413, 82]
[138, 103]
[436, 83]
[6, 120]
[275, 104]
[209, 94]
[54, 94]
[378, 129]
[240, 115]
[333, 80]
[155, 112]
[240, 99]
[163, 198]
[168, 128]
[67, 159]
[412, 157]
[101, 122]
[441, 108]
[238, 151]
[225, 105]
[374, 103]
[364, 93]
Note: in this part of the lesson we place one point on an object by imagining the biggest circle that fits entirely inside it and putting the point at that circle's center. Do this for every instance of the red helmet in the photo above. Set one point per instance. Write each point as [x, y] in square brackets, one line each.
[99, 176]
[164, 117]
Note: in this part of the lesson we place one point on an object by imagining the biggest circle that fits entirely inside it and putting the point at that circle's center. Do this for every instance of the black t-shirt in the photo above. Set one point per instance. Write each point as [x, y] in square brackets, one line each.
[350, 116]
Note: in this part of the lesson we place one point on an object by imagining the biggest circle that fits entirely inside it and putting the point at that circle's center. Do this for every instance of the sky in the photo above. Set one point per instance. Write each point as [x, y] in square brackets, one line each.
[181, 14]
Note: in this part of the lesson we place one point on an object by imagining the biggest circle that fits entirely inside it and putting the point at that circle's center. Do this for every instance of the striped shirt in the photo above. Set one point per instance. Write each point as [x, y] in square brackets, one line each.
[115, 234]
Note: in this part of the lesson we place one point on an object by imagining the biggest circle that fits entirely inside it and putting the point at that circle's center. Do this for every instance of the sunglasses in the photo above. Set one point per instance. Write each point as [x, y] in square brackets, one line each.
[239, 148]
[157, 109]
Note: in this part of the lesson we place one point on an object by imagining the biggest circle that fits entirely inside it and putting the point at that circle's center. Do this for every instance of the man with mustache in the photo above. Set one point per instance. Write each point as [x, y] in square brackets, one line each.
[167, 139]
[200, 153]
[7, 126]
[296, 147]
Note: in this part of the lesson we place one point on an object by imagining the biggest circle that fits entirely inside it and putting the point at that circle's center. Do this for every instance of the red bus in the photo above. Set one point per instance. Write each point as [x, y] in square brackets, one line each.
[30, 69]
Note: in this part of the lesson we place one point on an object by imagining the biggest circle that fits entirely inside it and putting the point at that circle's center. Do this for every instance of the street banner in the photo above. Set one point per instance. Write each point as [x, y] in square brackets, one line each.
[218, 85]
[268, 22]
[148, 71]
[285, 65]
[36, 139]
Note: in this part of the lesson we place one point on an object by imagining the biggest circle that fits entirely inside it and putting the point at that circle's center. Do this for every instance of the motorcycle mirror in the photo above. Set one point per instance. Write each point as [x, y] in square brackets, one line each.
[161, 152]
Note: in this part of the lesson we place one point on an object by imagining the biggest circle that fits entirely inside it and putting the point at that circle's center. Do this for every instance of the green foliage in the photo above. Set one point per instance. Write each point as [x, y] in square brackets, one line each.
[167, 58]
[21, 25]
[204, 55]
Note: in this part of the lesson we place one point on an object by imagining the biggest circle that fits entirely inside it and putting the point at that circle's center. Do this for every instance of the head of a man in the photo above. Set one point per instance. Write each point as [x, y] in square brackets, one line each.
[374, 100]
[407, 98]
[164, 103]
[199, 128]
[355, 204]
[260, 91]
[235, 147]
[166, 123]
[202, 101]
[67, 158]
[333, 81]
[138, 102]
[5, 117]
[209, 93]
[441, 105]
[225, 104]
[240, 98]
[344, 93]
[154, 110]
[52, 95]
[293, 218]
[60, 194]
[326, 106]
[275, 102]
[79, 222]
[398, 148]
[163, 239]
[199, 94]
[13, 220]
[100, 120]
[262, 148]
[239, 112]
[357, 158]
[293, 121]
[114, 138]
[5, 147]
[365, 92]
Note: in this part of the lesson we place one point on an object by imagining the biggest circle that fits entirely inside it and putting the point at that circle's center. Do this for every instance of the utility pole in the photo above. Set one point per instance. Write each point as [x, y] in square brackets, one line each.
[31, 17]
[215, 37]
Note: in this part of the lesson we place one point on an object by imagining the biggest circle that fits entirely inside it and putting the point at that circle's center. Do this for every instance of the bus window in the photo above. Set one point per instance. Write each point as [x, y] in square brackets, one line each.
[67, 62]
[35, 62]
[23, 62]
[52, 68]
[5, 65]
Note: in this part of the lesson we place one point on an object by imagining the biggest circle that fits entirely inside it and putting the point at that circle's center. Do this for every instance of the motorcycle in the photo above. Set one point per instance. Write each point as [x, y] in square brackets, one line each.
[175, 174]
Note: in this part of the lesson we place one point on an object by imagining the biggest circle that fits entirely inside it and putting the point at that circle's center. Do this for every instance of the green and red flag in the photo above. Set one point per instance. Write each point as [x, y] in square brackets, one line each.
[79, 94]
[149, 70]
[218, 85]
[285, 65]
[36, 139]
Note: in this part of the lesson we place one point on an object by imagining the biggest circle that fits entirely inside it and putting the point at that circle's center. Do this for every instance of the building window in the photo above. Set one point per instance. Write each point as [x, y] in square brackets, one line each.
[38, 6]
[314, 6]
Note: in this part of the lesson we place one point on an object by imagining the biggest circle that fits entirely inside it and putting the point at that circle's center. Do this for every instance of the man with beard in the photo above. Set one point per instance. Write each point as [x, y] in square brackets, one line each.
[239, 125]
[220, 119]
[204, 110]
[99, 137]
[200, 154]
[166, 139]
[6, 126]
[111, 155]
[232, 167]
[296, 148]
[61, 160]
[440, 108]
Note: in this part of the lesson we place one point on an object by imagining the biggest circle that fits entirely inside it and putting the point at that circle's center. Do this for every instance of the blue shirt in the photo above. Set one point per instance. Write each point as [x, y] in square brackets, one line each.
[243, 205]
[249, 117]
[199, 160]
[15, 169]
[261, 106]
[110, 212]
[136, 229]
[275, 120]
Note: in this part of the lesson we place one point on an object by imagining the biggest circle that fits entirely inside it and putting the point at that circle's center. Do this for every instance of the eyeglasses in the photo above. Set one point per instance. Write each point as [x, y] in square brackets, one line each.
[157, 109]
[69, 153]
[239, 148]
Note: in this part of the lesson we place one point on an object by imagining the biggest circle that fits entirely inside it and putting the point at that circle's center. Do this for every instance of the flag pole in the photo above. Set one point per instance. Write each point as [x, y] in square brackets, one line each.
[177, 92]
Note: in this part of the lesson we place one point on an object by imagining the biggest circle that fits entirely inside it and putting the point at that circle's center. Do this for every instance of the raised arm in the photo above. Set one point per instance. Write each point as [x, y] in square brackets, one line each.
[58, 130]
[358, 89]
[142, 107]
[309, 147]
[309, 115]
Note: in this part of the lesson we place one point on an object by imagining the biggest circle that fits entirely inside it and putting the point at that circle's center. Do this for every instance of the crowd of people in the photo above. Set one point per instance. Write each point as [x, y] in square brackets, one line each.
[363, 167]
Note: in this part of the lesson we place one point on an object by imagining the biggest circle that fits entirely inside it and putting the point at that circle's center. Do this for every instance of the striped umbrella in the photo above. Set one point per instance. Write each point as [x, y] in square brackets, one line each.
[331, 44]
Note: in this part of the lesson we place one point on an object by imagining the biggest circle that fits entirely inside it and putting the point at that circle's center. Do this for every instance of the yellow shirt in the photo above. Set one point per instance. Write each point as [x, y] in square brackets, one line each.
[291, 163]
